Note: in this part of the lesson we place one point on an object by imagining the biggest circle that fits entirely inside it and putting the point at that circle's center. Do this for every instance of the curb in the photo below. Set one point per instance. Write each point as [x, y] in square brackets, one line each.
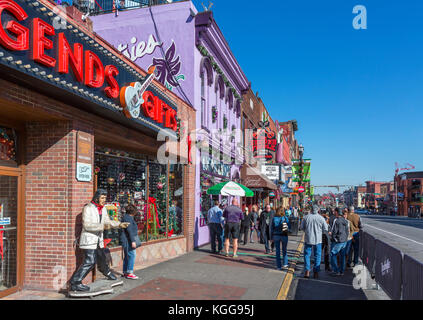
[286, 284]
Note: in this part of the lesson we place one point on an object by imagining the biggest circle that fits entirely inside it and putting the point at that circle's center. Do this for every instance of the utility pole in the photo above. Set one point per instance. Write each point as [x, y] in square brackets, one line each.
[301, 149]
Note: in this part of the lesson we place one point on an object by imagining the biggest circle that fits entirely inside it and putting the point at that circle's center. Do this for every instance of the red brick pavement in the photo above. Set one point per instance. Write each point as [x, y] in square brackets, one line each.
[243, 261]
[171, 289]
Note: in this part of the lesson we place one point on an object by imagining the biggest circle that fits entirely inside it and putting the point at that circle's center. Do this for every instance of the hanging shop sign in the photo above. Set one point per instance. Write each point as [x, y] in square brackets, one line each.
[272, 172]
[69, 59]
[84, 157]
[264, 143]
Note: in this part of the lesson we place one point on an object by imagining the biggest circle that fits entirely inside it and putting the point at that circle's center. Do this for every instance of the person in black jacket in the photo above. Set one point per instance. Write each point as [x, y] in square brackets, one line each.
[245, 225]
[266, 216]
[339, 235]
[129, 242]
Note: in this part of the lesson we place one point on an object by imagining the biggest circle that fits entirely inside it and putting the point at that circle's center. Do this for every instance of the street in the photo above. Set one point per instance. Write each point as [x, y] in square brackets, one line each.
[402, 233]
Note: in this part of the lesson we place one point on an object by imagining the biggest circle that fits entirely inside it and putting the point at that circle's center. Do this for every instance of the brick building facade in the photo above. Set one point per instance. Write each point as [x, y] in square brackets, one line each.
[410, 194]
[42, 194]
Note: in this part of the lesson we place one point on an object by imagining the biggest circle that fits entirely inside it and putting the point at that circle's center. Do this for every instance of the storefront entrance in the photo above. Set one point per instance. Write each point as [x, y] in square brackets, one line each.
[11, 233]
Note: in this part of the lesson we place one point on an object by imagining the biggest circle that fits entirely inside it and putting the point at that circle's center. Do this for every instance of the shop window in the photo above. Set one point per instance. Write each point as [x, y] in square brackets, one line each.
[157, 207]
[8, 145]
[123, 176]
[176, 193]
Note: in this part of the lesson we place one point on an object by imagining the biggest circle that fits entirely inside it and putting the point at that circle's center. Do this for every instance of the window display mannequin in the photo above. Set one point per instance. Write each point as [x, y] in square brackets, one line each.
[95, 220]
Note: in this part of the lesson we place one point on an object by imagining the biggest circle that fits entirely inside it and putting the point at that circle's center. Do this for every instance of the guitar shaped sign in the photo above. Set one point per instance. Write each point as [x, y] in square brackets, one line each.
[131, 96]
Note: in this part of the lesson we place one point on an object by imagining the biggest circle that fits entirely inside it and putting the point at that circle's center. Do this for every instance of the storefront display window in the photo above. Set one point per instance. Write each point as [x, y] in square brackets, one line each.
[176, 192]
[8, 145]
[157, 207]
[123, 176]
[155, 189]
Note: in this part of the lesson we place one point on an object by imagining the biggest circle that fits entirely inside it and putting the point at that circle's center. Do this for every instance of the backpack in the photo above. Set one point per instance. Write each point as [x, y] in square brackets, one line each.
[281, 225]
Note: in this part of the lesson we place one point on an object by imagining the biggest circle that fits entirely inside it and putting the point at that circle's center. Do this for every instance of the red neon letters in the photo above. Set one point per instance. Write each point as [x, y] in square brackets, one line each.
[41, 43]
[22, 34]
[86, 66]
[75, 58]
[156, 109]
[112, 91]
[94, 70]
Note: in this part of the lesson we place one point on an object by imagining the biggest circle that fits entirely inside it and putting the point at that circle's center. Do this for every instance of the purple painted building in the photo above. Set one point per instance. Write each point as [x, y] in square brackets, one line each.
[194, 60]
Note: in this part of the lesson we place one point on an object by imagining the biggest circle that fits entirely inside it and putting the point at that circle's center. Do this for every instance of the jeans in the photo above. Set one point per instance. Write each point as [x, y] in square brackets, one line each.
[252, 231]
[317, 256]
[216, 233]
[338, 248]
[355, 247]
[347, 249]
[278, 239]
[129, 261]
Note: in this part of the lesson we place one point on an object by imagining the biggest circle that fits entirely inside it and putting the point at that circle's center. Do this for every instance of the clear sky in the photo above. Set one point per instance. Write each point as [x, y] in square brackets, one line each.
[357, 94]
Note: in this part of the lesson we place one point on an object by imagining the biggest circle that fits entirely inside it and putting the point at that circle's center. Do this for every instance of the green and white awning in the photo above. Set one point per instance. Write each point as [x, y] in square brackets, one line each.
[230, 188]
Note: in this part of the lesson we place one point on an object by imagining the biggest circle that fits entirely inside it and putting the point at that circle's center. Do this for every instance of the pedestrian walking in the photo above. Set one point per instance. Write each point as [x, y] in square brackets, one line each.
[313, 225]
[95, 220]
[254, 217]
[339, 236]
[265, 218]
[356, 226]
[215, 219]
[233, 216]
[348, 245]
[326, 245]
[130, 241]
[279, 228]
[245, 226]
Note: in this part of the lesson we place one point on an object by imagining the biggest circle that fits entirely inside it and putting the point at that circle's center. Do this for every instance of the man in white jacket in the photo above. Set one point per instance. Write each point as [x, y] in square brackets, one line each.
[95, 220]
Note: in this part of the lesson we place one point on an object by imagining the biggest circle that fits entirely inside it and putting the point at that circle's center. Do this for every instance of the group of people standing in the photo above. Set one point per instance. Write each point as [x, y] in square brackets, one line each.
[337, 235]
[272, 228]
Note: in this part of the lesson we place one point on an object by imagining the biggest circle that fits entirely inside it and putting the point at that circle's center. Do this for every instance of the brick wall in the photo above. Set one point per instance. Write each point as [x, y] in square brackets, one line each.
[54, 200]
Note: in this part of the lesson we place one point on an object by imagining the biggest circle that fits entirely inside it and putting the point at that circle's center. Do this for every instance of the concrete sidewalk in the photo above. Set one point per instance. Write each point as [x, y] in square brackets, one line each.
[328, 287]
[200, 275]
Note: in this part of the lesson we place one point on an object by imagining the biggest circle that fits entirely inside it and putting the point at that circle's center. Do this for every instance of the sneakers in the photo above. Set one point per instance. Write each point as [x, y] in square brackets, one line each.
[131, 276]
[235, 256]
[285, 266]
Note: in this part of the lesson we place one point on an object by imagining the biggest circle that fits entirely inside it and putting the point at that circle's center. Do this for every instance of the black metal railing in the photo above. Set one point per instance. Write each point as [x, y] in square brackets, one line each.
[96, 7]
[400, 276]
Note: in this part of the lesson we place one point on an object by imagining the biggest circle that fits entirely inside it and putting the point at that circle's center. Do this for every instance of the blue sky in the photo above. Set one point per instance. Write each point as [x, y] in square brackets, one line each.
[357, 94]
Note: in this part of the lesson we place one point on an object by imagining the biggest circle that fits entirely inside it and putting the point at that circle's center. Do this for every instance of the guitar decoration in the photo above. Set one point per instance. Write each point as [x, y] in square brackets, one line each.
[131, 96]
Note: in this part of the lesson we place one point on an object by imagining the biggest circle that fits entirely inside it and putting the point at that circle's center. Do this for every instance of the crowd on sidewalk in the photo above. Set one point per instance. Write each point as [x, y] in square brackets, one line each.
[333, 236]
[230, 223]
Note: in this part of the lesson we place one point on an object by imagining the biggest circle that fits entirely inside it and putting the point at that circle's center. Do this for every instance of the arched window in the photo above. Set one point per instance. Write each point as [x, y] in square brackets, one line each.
[220, 95]
[205, 67]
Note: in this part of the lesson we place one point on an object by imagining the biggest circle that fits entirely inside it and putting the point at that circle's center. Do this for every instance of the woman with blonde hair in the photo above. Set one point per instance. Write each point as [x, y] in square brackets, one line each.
[279, 228]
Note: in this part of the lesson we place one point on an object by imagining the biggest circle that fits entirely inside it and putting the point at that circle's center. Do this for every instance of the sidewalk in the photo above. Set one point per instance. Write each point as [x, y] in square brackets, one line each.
[200, 275]
[328, 287]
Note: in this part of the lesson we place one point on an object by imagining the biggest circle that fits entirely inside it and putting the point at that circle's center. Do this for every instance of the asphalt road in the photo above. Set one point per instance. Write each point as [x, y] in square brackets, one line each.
[403, 233]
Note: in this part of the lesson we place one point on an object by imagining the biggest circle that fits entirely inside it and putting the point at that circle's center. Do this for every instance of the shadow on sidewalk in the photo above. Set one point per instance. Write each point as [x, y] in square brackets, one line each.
[327, 287]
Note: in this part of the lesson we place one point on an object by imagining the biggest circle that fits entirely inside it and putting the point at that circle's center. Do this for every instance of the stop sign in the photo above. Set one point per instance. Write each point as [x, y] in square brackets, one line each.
[301, 189]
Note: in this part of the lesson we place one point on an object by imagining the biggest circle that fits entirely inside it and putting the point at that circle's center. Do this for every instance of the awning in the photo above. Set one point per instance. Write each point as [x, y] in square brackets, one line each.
[253, 178]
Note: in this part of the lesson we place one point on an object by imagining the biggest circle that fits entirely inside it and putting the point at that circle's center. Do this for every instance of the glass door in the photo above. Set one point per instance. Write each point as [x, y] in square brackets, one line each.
[10, 237]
